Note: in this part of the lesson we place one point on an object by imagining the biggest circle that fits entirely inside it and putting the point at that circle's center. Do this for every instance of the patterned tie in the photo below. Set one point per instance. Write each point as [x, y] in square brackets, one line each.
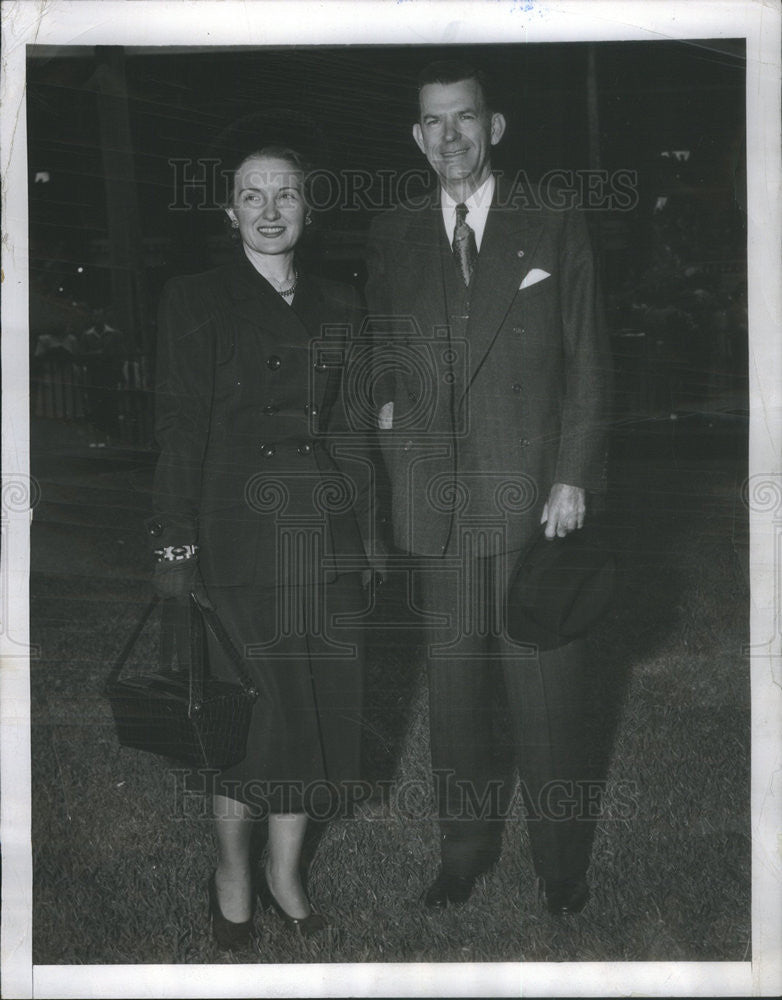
[465, 250]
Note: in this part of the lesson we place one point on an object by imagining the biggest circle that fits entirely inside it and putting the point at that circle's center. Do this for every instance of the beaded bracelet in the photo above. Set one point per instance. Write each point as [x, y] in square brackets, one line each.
[176, 553]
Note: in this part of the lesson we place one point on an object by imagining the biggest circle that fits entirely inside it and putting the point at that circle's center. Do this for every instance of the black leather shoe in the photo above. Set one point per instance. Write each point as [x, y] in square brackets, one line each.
[566, 897]
[229, 935]
[448, 887]
[307, 926]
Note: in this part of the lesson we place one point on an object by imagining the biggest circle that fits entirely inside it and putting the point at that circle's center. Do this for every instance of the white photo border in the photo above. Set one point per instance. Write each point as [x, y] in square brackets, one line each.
[183, 23]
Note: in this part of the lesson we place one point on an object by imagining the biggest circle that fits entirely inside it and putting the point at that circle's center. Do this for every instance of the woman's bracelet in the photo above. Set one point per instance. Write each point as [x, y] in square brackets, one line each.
[176, 553]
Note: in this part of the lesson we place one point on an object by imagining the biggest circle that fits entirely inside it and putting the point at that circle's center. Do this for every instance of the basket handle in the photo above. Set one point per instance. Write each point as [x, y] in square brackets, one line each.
[132, 639]
[215, 626]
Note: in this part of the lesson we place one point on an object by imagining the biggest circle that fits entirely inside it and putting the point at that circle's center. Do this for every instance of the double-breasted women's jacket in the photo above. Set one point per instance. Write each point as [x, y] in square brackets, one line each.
[247, 386]
[499, 390]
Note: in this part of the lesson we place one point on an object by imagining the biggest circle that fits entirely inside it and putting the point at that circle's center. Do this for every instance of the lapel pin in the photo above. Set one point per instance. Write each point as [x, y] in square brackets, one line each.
[519, 253]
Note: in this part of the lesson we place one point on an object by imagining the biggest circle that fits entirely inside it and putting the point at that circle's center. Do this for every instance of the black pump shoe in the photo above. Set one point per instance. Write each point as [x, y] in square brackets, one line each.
[448, 888]
[566, 897]
[228, 934]
[311, 924]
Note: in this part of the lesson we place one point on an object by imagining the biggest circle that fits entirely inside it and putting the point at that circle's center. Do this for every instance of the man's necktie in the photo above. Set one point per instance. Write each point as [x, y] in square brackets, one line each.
[464, 248]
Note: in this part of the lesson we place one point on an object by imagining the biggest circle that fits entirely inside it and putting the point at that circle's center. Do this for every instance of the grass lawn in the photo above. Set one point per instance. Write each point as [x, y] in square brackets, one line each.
[121, 856]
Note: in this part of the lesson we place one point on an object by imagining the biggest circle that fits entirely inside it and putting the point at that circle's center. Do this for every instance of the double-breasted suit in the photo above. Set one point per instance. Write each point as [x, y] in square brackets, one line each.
[247, 394]
[513, 398]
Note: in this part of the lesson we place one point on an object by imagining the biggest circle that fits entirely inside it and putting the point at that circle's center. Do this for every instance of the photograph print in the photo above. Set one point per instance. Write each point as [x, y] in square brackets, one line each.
[390, 584]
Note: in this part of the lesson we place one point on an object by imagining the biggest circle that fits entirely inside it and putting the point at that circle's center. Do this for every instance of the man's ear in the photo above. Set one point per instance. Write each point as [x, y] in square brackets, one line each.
[419, 137]
[497, 127]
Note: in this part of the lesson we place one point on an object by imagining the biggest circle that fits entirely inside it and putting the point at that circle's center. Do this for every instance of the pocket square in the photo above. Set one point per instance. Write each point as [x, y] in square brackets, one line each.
[533, 276]
[385, 418]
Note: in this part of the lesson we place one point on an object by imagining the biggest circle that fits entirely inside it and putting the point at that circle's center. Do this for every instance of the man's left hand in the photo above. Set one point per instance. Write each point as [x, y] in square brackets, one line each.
[564, 510]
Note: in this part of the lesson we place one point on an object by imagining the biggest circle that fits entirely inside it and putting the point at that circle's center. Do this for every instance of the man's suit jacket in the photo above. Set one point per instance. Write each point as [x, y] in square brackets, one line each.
[495, 400]
[244, 397]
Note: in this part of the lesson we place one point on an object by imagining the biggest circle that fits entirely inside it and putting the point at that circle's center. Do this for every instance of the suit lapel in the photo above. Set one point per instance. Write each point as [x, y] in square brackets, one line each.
[310, 310]
[257, 303]
[507, 254]
[421, 274]
[258, 306]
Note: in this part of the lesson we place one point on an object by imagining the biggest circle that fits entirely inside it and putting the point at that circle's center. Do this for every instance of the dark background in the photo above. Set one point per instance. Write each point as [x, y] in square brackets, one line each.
[104, 124]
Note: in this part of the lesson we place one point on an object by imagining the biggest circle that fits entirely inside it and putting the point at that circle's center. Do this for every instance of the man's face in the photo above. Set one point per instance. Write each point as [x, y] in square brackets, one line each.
[456, 132]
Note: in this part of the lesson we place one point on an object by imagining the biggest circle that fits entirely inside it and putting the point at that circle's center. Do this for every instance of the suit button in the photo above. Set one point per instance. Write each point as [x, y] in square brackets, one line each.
[270, 410]
[407, 445]
[320, 366]
[273, 362]
[305, 448]
[156, 528]
[518, 329]
[267, 450]
[310, 410]
[413, 397]
[516, 387]
[524, 443]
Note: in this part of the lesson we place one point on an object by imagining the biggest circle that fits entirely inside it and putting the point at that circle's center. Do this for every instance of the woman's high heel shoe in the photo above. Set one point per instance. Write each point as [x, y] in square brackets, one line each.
[308, 925]
[228, 934]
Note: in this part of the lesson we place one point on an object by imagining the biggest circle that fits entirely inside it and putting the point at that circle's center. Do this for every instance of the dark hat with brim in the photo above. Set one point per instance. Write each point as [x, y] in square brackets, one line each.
[561, 587]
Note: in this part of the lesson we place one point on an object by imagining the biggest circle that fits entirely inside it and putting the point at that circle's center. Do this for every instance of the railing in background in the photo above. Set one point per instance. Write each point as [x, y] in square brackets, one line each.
[60, 390]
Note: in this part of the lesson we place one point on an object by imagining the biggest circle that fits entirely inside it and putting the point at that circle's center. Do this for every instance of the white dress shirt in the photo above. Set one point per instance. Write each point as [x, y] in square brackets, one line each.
[478, 205]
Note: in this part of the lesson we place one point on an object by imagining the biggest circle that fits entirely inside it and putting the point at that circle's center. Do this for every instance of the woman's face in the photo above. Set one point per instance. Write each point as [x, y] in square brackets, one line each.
[269, 204]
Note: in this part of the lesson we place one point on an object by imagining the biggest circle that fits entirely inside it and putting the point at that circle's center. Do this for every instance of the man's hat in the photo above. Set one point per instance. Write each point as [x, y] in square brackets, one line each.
[560, 587]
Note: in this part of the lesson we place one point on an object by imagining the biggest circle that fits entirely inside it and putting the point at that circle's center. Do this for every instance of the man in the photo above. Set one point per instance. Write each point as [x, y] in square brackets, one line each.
[492, 382]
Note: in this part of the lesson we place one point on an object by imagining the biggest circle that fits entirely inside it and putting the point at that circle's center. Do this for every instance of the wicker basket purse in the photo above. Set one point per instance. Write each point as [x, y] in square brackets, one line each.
[181, 712]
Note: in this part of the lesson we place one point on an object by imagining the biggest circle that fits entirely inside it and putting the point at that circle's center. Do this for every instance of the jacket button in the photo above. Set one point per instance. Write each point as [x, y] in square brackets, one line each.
[320, 366]
[407, 445]
[273, 362]
[516, 387]
[270, 410]
[267, 450]
[155, 529]
[413, 397]
[518, 329]
[305, 448]
[310, 410]
[524, 442]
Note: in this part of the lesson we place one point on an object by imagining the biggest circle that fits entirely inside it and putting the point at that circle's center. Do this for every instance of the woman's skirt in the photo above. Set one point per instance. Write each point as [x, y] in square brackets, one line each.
[304, 647]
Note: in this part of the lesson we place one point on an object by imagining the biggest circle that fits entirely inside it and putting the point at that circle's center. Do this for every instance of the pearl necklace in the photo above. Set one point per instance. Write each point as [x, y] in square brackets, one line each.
[287, 293]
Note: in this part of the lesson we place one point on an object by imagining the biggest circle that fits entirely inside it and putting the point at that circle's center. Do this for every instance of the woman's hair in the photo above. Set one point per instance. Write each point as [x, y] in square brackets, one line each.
[280, 133]
[277, 151]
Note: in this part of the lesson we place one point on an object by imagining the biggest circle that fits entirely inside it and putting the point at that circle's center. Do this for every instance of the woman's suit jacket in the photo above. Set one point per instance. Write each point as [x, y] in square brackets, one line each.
[499, 394]
[246, 387]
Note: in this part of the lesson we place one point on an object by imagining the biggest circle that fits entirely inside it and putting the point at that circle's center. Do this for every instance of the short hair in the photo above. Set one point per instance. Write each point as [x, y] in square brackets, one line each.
[276, 151]
[454, 71]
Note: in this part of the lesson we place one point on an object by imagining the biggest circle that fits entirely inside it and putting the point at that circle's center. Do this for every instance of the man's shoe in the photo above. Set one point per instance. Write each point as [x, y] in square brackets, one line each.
[447, 888]
[566, 897]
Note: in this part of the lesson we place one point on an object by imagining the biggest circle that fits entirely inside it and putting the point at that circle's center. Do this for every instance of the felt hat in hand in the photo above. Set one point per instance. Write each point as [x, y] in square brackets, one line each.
[560, 587]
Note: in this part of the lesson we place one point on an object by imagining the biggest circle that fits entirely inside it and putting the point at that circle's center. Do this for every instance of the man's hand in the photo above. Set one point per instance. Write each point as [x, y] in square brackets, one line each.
[564, 510]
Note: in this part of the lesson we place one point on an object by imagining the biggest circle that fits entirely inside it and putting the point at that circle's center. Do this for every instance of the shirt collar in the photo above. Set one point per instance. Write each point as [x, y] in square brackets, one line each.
[479, 201]
[478, 205]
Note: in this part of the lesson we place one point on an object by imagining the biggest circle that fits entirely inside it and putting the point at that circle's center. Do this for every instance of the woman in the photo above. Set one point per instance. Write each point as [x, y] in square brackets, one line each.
[246, 483]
